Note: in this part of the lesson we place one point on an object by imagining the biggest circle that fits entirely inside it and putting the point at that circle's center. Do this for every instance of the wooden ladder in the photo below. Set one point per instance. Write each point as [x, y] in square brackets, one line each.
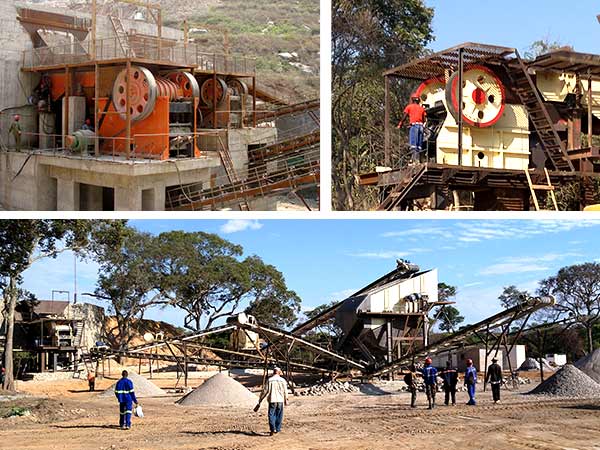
[541, 187]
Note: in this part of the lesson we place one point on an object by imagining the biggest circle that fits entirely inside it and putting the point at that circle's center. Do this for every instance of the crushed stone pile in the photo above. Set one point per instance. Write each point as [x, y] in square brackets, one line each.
[590, 365]
[519, 380]
[142, 387]
[534, 364]
[332, 387]
[220, 390]
[568, 382]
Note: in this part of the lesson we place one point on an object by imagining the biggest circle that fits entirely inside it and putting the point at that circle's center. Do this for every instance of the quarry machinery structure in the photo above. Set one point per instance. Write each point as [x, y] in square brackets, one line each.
[126, 114]
[384, 328]
[515, 118]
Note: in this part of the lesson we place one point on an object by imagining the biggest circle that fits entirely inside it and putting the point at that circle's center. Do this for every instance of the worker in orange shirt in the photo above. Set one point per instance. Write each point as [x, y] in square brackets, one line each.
[416, 115]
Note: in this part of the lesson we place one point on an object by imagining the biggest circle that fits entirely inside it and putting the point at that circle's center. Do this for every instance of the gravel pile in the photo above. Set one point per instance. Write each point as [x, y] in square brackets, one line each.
[142, 387]
[590, 365]
[520, 380]
[568, 382]
[332, 387]
[534, 364]
[220, 390]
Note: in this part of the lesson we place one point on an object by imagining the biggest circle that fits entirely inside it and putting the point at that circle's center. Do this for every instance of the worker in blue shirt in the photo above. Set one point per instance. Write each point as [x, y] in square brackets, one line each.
[471, 381]
[430, 378]
[126, 397]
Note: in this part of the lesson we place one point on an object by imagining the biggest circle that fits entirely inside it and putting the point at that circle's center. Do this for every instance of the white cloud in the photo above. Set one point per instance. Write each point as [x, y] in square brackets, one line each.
[473, 231]
[476, 283]
[420, 231]
[237, 225]
[522, 264]
[505, 268]
[381, 255]
[468, 239]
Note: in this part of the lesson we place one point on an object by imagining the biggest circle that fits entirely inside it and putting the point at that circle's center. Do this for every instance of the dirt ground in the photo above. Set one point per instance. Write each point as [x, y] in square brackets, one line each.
[68, 417]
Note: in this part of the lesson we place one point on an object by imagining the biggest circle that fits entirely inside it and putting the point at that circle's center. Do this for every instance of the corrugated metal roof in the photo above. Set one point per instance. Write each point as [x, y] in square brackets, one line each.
[434, 65]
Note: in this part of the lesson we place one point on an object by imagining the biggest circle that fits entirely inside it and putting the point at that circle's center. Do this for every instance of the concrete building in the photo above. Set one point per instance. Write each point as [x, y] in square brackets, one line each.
[174, 149]
[460, 357]
[55, 332]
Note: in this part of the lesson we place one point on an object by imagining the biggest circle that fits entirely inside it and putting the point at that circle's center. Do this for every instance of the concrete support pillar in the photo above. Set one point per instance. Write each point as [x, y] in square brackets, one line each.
[128, 199]
[67, 195]
[160, 197]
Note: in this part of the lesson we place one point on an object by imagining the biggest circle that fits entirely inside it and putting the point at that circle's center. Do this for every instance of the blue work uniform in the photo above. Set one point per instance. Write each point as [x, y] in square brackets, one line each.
[471, 381]
[126, 397]
[430, 378]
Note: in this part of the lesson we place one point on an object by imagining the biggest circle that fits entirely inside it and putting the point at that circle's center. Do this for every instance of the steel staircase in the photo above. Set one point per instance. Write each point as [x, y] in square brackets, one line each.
[122, 36]
[230, 170]
[539, 116]
[410, 177]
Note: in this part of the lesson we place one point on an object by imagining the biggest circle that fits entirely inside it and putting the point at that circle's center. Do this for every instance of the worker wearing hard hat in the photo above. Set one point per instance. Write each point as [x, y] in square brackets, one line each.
[471, 381]
[416, 115]
[276, 393]
[126, 396]
[430, 378]
[493, 376]
[15, 130]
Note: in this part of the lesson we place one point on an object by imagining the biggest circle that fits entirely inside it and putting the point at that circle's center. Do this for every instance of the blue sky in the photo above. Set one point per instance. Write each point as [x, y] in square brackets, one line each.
[516, 23]
[325, 260]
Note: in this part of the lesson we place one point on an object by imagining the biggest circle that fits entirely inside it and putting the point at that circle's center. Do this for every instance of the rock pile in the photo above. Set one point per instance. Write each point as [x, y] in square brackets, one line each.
[568, 382]
[220, 390]
[534, 364]
[590, 365]
[141, 386]
[332, 387]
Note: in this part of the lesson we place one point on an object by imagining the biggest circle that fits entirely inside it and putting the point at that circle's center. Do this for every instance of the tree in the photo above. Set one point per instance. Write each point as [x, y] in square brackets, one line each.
[511, 296]
[446, 292]
[577, 292]
[202, 274]
[23, 243]
[450, 319]
[368, 36]
[448, 316]
[271, 302]
[127, 279]
[543, 46]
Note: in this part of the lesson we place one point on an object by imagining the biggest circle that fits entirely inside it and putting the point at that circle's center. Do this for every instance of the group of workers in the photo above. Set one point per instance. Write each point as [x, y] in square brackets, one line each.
[275, 390]
[449, 377]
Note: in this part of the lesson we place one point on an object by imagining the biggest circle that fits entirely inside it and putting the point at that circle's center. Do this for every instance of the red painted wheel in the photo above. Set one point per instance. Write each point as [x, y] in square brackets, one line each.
[483, 98]
[143, 93]
[186, 82]
[428, 88]
[207, 92]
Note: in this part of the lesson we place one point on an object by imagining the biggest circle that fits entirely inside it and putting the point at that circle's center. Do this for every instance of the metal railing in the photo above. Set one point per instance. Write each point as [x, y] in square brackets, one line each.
[112, 148]
[143, 47]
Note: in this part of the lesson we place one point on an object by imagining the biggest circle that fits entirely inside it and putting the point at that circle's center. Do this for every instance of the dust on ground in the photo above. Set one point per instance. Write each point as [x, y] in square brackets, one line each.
[343, 421]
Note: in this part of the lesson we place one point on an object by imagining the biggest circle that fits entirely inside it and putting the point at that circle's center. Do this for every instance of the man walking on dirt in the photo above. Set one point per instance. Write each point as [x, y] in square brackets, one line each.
[430, 378]
[450, 377]
[494, 377]
[276, 393]
[126, 397]
[416, 115]
[471, 381]
[91, 381]
[410, 379]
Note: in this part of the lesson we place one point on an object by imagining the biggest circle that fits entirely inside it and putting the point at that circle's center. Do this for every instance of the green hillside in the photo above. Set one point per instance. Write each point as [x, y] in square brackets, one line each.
[262, 29]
